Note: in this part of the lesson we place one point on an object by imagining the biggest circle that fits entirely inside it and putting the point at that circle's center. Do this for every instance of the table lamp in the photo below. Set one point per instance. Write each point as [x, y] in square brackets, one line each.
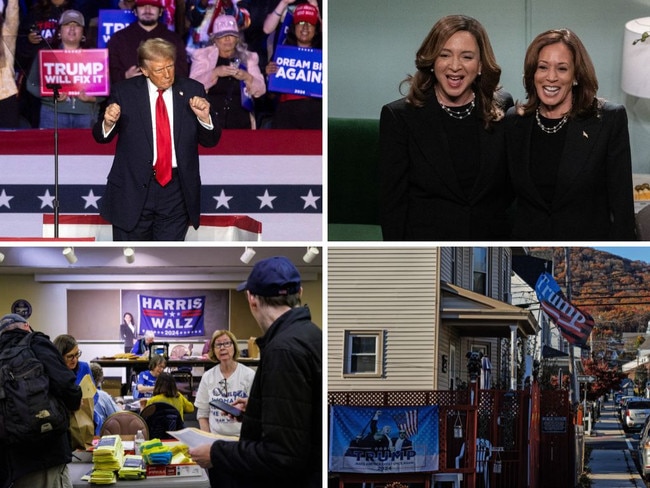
[635, 71]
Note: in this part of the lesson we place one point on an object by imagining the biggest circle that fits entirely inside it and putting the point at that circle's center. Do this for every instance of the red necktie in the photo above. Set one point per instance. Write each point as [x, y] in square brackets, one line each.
[163, 142]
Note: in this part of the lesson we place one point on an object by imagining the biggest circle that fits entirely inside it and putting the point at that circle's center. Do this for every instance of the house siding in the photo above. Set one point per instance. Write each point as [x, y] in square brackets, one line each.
[389, 289]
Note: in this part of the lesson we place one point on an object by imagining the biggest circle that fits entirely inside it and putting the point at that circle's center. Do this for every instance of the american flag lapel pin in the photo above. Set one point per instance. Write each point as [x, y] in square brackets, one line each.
[181, 94]
[585, 135]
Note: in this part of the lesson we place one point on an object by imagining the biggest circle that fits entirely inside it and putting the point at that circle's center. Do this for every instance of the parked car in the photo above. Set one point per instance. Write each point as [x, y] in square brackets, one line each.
[620, 406]
[635, 414]
[644, 450]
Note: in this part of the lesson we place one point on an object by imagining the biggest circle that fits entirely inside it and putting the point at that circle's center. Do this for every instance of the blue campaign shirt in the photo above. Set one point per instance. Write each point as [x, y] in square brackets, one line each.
[146, 378]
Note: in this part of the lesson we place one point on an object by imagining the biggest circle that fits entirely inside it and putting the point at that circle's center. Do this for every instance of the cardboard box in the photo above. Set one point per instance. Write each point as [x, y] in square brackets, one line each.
[113, 386]
[174, 470]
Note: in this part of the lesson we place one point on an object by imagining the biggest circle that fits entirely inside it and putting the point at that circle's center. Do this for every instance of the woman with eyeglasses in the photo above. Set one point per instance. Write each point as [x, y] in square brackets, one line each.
[69, 349]
[227, 381]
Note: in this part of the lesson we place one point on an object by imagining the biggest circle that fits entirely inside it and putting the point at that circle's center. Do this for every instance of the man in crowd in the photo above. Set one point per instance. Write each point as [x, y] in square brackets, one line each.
[44, 465]
[123, 45]
[281, 436]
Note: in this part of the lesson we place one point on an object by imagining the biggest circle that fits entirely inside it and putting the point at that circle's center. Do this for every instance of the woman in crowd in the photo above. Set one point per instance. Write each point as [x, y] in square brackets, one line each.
[69, 349]
[300, 111]
[230, 74]
[227, 381]
[142, 345]
[38, 30]
[9, 111]
[568, 151]
[74, 111]
[443, 173]
[128, 332]
[146, 381]
[166, 391]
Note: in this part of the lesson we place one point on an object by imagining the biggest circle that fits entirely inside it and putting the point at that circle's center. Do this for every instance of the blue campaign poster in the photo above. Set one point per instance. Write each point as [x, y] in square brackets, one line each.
[110, 21]
[383, 439]
[300, 71]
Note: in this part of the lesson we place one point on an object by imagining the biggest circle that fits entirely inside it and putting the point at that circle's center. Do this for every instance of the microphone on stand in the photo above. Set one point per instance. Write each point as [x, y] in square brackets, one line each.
[55, 87]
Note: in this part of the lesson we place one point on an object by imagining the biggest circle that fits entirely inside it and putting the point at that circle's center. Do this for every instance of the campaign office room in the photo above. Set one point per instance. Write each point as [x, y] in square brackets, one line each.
[387, 55]
[85, 291]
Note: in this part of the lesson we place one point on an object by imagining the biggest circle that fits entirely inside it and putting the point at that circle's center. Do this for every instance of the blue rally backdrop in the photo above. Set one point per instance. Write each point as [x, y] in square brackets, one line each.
[383, 439]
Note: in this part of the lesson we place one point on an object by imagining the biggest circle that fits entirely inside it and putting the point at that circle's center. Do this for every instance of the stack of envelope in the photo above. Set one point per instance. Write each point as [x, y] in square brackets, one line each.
[108, 457]
[154, 452]
[133, 468]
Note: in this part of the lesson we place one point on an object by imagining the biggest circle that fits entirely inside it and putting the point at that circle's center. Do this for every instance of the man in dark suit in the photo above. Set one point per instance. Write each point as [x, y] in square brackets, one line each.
[140, 204]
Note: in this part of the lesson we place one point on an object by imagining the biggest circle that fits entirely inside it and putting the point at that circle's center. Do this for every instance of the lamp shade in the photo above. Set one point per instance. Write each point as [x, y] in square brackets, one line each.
[635, 72]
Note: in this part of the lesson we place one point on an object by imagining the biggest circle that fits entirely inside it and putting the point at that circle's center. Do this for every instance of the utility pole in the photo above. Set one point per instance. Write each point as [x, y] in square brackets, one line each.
[574, 390]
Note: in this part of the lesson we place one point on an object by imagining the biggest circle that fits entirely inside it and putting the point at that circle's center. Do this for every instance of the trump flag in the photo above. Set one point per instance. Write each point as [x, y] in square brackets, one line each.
[172, 317]
[574, 324]
[383, 439]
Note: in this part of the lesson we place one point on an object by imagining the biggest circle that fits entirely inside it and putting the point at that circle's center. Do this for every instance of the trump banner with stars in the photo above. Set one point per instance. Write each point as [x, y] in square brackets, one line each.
[574, 324]
[172, 317]
[383, 439]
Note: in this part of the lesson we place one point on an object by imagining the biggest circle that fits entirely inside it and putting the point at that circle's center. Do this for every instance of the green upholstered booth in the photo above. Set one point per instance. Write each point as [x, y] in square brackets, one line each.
[353, 158]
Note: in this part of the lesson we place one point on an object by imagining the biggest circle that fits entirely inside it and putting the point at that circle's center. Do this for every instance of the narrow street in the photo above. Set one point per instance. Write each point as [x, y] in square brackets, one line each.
[613, 462]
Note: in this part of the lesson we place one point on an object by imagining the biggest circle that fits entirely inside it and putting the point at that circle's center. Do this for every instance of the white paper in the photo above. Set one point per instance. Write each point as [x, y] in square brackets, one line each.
[193, 437]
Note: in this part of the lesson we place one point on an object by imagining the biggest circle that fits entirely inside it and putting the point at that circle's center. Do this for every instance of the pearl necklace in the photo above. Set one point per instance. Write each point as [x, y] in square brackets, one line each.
[555, 128]
[459, 115]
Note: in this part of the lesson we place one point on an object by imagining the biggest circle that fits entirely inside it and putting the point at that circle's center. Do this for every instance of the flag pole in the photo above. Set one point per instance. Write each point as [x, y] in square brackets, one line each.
[574, 390]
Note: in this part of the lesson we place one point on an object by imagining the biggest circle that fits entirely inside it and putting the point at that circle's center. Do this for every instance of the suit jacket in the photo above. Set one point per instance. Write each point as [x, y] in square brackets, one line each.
[593, 197]
[132, 168]
[420, 194]
[128, 336]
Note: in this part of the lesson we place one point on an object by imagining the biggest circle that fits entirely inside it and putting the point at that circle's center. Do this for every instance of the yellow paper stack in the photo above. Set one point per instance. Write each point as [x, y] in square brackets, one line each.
[133, 468]
[108, 458]
[154, 452]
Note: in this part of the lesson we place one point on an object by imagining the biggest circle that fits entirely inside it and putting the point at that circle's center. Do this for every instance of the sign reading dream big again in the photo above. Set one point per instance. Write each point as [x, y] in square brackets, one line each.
[384, 439]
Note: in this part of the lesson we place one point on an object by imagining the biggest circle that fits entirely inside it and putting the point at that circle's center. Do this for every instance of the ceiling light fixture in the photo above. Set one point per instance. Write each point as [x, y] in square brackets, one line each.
[129, 254]
[69, 254]
[247, 255]
[310, 255]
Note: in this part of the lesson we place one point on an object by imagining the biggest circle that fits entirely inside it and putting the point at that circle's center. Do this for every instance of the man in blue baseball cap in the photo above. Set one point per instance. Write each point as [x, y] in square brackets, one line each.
[281, 435]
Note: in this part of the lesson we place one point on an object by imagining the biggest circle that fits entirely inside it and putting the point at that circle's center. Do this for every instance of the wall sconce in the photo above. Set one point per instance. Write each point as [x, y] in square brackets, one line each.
[129, 254]
[69, 254]
[635, 70]
[445, 361]
[310, 255]
[247, 255]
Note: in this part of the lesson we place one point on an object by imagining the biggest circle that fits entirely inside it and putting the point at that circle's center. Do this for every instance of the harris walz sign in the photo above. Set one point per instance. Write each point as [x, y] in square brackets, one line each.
[383, 439]
[172, 317]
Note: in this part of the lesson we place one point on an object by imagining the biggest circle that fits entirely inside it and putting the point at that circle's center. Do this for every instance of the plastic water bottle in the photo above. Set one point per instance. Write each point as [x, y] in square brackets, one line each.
[139, 439]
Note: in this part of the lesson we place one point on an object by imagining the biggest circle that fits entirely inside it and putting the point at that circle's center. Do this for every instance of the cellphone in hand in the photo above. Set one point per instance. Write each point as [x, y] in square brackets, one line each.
[226, 407]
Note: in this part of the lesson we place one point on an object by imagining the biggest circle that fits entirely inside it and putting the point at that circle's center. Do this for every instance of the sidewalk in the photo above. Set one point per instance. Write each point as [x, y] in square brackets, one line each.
[611, 468]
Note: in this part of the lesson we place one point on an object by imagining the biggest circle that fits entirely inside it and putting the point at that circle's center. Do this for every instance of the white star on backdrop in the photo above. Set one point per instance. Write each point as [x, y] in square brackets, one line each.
[310, 200]
[222, 199]
[91, 200]
[4, 199]
[266, 200]
[47, 200]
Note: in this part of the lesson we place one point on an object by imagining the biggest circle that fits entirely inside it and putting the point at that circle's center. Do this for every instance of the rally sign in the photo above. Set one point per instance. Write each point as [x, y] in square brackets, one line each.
[383, 439]
[74, 70]
[110, 21]
[300, 71]
[172, 317]
[574, 324]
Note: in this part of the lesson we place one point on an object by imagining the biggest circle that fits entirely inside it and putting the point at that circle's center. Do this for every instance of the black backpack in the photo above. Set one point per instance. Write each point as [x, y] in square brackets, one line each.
[27, 411]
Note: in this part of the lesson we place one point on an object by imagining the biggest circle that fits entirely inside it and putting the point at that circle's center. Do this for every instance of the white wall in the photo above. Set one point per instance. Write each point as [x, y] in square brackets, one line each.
[372, 45]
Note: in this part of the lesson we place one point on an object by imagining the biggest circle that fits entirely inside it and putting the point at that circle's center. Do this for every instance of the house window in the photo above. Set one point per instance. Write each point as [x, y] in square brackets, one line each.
[363, 353]
[480, 270]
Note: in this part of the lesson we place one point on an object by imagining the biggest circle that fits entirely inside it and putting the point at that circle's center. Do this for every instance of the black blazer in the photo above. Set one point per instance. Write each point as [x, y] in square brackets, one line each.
[131, 172]
[421, 197]
[593, 198]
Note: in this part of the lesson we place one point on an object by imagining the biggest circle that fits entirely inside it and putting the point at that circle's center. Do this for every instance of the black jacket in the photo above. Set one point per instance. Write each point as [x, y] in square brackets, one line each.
[55, 450]
[281, 436]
